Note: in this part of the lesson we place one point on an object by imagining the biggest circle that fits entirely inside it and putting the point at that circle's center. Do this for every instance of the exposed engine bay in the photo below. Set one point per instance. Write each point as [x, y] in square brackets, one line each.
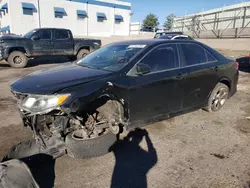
[50, 127]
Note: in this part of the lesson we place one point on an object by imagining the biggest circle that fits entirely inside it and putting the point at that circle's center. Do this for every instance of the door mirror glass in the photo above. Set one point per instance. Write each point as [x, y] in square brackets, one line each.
[142, 69]
[35, 38]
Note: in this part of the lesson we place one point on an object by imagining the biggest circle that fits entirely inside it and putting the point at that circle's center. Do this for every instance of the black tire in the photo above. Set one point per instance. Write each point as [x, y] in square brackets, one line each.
[82, 53]
[17, 59]
[95, 147]
[214, 106]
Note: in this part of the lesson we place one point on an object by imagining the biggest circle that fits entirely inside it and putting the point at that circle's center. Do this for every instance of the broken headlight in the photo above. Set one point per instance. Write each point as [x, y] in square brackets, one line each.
[42, 103]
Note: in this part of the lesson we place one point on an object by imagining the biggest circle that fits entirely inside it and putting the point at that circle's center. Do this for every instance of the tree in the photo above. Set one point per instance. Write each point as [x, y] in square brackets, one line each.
[151, 20]
[169, 21]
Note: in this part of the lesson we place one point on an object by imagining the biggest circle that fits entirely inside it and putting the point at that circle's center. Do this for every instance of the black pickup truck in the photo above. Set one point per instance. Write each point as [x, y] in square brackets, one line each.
[16, 50]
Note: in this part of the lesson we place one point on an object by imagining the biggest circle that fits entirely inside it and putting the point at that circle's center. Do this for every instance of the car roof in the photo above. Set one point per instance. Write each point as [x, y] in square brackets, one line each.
[170, 36]
[169, 32]
[150, 42]
[52, 28]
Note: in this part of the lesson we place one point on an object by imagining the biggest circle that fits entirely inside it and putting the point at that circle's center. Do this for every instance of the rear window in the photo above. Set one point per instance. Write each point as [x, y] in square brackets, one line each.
[61, 34]
[195, 54]
[210, 57]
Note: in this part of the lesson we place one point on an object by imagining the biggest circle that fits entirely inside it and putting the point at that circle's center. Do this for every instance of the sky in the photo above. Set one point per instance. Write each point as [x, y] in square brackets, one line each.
[163, 8]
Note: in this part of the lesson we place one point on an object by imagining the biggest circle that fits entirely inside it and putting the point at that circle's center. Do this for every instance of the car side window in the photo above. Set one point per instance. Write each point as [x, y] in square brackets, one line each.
[210, 57]
[61, 34]
[193, 54]
[44, 34]
[163, 57]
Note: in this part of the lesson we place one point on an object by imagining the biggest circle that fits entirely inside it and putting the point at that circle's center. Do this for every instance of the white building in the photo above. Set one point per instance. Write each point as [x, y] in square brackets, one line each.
[82, 17]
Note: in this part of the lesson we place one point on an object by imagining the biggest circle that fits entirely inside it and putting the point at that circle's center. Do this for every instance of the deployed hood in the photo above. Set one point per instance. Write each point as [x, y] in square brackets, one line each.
[51, 80]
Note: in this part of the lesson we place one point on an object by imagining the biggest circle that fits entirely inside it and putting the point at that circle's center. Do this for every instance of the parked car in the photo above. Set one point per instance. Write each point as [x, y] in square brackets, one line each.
[16, 50]
[87, 104]
[147, 29]
[244, 63]
[175, 37]
[158, 34]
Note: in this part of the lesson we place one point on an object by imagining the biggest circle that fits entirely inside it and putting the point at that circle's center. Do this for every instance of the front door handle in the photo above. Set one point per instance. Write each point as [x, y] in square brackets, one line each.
[216, 69]
[178, 77]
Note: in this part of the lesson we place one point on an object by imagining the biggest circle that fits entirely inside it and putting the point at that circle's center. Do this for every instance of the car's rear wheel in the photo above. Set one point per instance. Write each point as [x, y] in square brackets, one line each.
[17, 59]
[82, 53]
[217, 98]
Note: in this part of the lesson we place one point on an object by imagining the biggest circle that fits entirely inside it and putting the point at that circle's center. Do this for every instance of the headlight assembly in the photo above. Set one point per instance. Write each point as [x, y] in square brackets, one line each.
[42, 103]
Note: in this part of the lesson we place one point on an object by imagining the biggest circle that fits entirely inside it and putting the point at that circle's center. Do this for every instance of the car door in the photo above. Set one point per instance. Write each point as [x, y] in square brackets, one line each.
[63, 42]
[156, 93]
[200, 72]
[42, 42]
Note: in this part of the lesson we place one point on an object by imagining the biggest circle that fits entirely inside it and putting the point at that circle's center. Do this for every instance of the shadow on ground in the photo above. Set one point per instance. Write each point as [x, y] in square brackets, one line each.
[132, 162]
[42, 167]
[13, 173]
[131, 167]
[40, 61]
[244, 64]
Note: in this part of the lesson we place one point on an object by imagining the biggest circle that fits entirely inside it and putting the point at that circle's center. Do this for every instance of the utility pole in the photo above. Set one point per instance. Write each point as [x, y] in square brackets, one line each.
[39, 15]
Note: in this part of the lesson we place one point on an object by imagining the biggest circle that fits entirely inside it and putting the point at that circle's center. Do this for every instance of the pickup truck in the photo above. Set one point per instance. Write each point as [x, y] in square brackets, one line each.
[17, 50]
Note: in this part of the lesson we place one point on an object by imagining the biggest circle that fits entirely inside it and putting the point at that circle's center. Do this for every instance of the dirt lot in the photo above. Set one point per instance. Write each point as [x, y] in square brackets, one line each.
[198, 149]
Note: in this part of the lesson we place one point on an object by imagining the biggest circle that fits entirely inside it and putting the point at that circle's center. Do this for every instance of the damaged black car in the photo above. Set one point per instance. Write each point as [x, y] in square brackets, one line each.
[81, 108]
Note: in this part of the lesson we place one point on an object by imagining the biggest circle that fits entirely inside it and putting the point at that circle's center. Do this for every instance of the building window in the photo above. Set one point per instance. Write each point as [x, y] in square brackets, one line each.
[118, 19]
[58, 15]
[81, 14]
[59, 12]
[27, 11]
[101, 17]
[1, 12]
[28, 8]
[5, 8]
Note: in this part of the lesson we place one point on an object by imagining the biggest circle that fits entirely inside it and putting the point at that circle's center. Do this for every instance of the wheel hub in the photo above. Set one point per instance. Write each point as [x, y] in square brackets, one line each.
[219, 99]
[18, 60]
[95, 126]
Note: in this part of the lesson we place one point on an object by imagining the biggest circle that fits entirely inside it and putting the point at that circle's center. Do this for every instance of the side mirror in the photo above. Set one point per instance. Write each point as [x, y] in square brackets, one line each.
[142, 69]
[34, 38]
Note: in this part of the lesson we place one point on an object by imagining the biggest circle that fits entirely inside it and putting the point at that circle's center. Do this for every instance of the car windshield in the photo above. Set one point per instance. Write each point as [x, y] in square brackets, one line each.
[111, 58]
[29, 34]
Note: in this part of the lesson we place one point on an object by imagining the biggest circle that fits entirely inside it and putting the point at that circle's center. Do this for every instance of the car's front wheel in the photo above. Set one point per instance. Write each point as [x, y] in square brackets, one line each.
[17, 59]
[93, 147]
[96, 141]
[217, 98]
[82, 53]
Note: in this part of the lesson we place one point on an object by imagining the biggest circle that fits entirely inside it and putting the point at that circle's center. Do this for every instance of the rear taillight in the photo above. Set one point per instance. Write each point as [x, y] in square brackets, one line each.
[237, 65]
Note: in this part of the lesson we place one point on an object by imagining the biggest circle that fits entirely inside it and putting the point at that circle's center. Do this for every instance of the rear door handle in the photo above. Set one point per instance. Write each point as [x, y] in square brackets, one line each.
[178, 77]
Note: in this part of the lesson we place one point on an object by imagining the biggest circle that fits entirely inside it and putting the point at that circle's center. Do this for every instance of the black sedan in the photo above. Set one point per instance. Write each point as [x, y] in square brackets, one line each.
[86, 104]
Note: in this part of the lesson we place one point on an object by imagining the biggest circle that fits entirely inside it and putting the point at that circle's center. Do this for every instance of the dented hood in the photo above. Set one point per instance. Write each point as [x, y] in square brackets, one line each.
[51, 80]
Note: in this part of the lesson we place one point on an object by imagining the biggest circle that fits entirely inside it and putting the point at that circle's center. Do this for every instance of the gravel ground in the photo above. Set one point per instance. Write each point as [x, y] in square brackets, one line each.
[198, 149]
